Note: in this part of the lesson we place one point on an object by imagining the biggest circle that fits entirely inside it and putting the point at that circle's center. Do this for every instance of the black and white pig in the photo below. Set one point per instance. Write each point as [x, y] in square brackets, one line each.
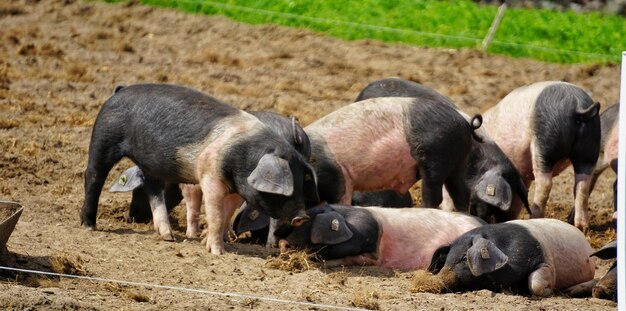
[133, 179]
[496, 187]
[249, 219]
[179, 135]
[536, 256]
[542, 128]
[390, 143]
[400, 238]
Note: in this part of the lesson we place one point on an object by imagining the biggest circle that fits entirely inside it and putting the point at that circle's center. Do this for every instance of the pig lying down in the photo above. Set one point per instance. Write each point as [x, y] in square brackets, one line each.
[390, 143]
[249, 219]
[401, 238]
[543, 127]
[536, 256]
[496, 188]
[178, 135]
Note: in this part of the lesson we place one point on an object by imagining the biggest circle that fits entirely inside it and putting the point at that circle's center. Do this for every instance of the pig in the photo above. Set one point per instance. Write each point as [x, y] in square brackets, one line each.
[399, 238]
[261, 230]
[535, 256]
[178, 135]
[497, 191]
[543, 128]
[606, 287]
[390, 143]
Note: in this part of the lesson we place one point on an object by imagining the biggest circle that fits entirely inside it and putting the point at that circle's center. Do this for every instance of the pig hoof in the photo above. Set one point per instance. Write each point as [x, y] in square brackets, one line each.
[216, 249]
[89, 228]
[191, 234]
[168, 237]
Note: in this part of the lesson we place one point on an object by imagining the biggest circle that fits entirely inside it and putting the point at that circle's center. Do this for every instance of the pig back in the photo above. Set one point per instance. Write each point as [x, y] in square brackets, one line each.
[155, 121]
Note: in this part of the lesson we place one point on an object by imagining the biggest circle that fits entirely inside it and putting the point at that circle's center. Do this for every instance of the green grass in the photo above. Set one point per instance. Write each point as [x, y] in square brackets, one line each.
[554, 36]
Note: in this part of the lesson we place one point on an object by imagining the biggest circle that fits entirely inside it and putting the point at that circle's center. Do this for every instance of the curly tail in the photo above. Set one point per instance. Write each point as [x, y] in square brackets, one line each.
[475, 122]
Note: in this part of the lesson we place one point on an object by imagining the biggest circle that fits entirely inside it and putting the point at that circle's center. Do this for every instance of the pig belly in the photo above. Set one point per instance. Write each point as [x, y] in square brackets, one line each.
[410, 236]
[368, 140]
[565, 248]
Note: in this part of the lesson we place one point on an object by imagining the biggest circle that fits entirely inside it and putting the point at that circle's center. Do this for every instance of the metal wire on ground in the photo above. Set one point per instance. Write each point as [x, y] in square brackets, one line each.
[183, 289]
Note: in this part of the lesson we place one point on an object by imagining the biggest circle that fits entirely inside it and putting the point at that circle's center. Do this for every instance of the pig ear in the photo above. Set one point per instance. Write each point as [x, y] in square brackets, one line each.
[330, 228]
[439, 259]
[129, 180]
[608, 251]
[250, 219]
[273, 175]
[311, 196]
[485, 257]
[493, 189]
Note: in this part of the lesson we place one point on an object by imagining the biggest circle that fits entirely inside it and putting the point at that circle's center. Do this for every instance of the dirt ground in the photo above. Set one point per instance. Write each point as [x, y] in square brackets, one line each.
[60, 60]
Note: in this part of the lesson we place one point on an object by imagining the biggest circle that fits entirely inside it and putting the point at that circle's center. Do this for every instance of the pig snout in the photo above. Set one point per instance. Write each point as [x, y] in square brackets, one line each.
[284, 246]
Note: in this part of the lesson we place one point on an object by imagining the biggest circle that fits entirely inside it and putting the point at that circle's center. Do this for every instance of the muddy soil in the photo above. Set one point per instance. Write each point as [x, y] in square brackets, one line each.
[60, 60]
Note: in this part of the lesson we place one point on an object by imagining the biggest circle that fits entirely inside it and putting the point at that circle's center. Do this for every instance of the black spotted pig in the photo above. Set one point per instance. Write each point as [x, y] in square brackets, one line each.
[249, 219]
[390, 143]
[542, 128]
[536, 256]
[400, 238]
[179, 135]
[496, 187]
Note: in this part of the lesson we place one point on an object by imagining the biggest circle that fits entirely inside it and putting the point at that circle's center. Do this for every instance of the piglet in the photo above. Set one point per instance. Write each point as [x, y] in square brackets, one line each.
[390, 143]
[542, 128]
[497, 191]
[262, 228]
[400, 238]
[536, 256]
[179, 135]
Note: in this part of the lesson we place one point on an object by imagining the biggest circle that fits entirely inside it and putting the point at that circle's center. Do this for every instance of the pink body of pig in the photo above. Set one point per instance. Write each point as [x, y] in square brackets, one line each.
[410, 236]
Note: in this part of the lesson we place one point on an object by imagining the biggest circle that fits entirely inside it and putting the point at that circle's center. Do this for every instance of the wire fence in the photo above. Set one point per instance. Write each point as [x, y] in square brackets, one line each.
[475, 41]
[183, 289]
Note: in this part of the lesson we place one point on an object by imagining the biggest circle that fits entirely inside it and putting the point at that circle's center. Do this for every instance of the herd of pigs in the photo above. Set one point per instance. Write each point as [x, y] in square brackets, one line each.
[337, 187]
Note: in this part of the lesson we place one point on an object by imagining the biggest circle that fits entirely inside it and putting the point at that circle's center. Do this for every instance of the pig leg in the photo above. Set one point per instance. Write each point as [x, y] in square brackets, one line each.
[156, 193]
[272, 240]
[541, 281]
[543, 186]
[214, 192]
[457, 188]
[346, 199]
[102, 157]
[543, 182]
[193, 200]
[231, 203]
[431, 189]
[581, 200]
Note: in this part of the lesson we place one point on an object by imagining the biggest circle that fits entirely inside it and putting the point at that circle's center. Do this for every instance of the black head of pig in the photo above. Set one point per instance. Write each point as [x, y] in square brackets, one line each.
[334, 231]
[271, 176]
[495, 257]
[498, 190]
[289, 128]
